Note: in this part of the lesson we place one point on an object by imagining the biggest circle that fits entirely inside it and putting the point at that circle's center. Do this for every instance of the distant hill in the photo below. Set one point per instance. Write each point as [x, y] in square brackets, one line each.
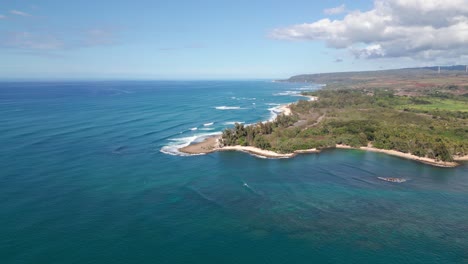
[356, 77]
[461, 68]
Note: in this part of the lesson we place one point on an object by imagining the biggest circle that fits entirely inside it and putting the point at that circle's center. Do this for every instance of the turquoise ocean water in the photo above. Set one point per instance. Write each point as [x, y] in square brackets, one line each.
[90, 174]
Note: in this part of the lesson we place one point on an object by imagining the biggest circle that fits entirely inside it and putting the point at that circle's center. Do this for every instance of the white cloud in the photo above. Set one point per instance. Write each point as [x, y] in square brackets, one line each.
[335, 10]
[19, 13]
[98, 36]
[419, 29]
[43, 41]
[31, 41]
[2, 17]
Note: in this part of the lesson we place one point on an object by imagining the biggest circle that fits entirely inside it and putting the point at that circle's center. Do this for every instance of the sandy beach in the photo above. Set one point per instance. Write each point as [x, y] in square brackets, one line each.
[211, 144]
[406, 156]
[285, 109]
[257, 151]
[208, 145]
[311, 98]
[460, 158]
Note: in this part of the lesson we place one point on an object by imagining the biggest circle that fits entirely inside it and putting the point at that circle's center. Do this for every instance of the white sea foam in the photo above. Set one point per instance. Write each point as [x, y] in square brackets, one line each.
[304, 89]
[194, 129]
[271, 104]
[230, 123]
[244, 98]
[178, 143]
[258, 156]
[288, 93]
[228, 107]
[207, 128]
[208, 124]
[274, 112]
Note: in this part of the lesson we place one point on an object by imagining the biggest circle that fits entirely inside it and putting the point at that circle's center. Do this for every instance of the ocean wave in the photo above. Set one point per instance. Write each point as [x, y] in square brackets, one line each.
[178, 143]
[207, 129]
[208, 124]
[194, 128]
[274, 112]
[230, 123]
[288, 93]
[307, 89]
[244, 98]
[228, 107]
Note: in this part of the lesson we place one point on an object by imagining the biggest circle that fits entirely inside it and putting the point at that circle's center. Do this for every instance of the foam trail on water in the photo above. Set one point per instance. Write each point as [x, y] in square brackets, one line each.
[208, 124]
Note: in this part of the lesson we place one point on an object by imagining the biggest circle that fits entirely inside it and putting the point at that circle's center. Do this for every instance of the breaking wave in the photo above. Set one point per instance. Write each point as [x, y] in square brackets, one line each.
[178, 143]
[228, 107]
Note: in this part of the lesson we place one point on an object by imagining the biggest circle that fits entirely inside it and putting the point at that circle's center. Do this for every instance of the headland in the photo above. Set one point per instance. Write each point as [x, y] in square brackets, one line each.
[426, 123]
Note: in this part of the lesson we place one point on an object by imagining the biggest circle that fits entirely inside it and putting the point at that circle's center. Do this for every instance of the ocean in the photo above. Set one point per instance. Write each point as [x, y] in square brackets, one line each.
[90, 173]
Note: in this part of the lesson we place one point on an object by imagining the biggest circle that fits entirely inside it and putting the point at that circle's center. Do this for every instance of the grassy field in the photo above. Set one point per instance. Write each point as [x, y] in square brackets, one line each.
[437, 104]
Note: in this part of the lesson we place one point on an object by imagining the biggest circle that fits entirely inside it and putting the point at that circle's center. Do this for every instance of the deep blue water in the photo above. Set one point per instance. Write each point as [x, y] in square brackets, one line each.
[90, 174]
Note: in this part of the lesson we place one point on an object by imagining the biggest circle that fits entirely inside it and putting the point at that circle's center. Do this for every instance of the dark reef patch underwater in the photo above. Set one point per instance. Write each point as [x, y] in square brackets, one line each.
[90, 175]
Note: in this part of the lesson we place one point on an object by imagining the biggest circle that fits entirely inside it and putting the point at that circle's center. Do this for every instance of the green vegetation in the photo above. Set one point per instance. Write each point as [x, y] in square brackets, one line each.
[433, 126]
[415, 81]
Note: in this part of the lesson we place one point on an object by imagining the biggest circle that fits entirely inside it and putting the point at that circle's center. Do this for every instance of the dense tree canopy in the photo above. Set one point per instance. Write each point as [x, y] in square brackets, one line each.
[413, 125]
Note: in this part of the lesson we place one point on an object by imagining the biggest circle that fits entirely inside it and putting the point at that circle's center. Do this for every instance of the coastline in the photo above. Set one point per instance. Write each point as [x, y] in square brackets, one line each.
[285, 109]
[433, 162]
[212, 144]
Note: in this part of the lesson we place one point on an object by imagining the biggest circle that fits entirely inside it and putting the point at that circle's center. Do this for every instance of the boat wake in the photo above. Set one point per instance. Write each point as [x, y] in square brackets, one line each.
[390, 179]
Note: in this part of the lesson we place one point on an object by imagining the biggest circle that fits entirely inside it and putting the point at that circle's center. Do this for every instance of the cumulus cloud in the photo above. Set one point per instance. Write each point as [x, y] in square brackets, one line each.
[335, 10]
[19, 13]
[419, 29]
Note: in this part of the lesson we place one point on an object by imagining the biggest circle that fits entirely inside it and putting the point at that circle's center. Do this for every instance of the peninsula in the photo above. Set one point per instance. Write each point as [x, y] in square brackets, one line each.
[427, 123]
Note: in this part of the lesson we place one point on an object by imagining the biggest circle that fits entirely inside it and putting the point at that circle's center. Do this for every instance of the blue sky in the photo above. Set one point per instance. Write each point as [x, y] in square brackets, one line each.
[147, 39]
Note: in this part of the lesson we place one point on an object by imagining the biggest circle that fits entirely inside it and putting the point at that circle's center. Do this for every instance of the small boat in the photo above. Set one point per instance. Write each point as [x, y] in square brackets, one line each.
[390, 179]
